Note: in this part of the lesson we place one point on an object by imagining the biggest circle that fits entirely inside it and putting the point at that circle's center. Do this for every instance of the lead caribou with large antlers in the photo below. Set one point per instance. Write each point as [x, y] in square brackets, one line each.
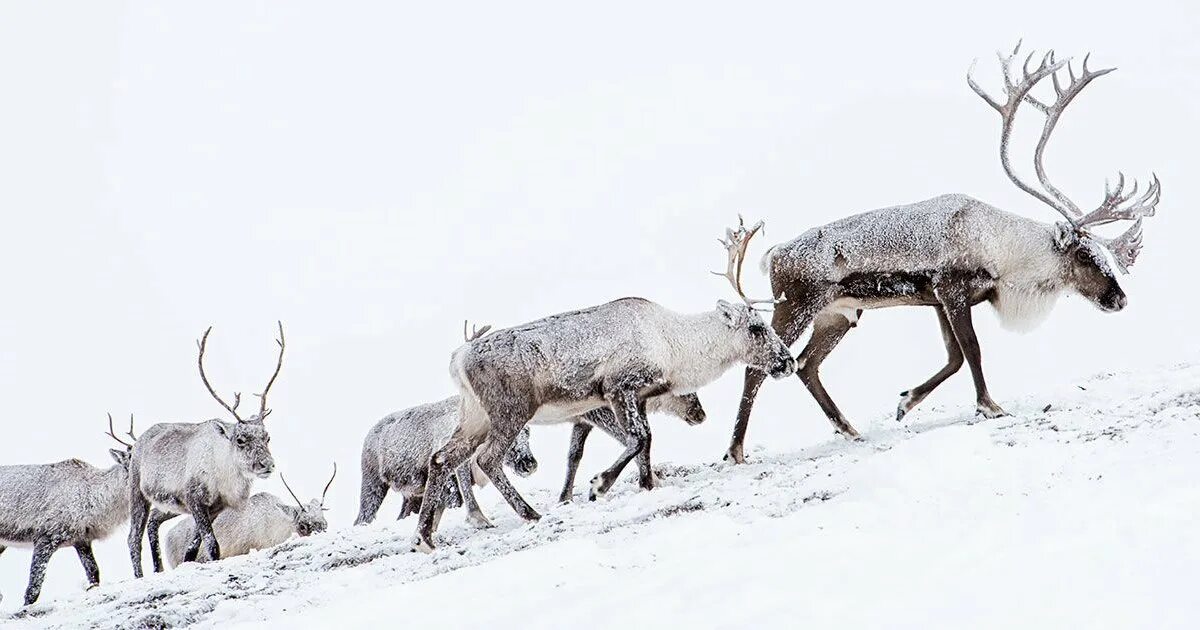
[953, 252]
[614, 355]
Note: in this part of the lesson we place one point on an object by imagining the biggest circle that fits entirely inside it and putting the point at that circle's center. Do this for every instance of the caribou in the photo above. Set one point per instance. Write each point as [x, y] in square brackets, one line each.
[614, 355]
[953, 252]
[263, 521]
[50, 506]
[197, 468]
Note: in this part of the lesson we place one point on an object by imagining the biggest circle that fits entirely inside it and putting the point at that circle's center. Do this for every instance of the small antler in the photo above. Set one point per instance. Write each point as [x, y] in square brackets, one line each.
[289, 489]
[263, 412]
[326, 490]
[112, 433]
[237, 396]
[736, 242]
[476, 333]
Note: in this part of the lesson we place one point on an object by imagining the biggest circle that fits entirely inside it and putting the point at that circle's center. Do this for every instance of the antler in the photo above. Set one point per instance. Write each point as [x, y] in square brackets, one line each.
[237, 396]
[289, 489]
[1116, 205]
[326, 490]
[113, 434]
[475, 332]
[263, 412]
[736, 242]
[1018, 92]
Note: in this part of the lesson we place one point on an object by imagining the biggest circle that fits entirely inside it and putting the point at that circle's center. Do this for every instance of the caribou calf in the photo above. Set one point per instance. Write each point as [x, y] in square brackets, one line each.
[263, 521]
[199, 468]
[686, 407]
[395, 456]
[50, 506]
[617, 354]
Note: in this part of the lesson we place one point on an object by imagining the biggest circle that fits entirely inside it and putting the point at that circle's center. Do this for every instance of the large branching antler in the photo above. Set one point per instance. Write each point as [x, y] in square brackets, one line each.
[1017, 92]
[736, 243]
[113, 434]
[237, 396]
[263, 412]
[1117, 205]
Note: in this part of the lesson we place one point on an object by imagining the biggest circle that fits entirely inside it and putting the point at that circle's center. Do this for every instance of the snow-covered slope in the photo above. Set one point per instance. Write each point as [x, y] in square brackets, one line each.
[1078, 509]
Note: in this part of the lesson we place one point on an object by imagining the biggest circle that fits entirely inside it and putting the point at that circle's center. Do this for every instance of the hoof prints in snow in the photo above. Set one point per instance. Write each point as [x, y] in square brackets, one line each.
[321, 568]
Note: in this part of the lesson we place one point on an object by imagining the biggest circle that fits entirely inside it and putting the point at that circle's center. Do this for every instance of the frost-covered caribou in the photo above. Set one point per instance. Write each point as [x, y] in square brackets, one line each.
[953, 252]
[50, 506]
[617, 354]
[197, 468]
[263, 521]
[686, 407]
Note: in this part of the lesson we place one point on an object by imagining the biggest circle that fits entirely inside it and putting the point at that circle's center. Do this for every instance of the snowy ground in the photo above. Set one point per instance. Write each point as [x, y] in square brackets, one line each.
[1082, 514]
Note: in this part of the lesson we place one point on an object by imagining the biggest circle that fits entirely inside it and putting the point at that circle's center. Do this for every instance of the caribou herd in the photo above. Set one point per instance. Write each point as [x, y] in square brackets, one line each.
[609, 366]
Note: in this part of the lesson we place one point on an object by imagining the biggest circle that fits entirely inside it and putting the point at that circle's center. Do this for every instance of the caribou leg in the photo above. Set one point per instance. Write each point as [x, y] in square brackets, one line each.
[913, 397]
[157, 518]
[43, 548]
[88, 560]
[139, 511]
[491, 462]
[579, 435]
[442, 464]
[789, 319]
[475, 514]
[828, 330]
[630, 416]
[958, 313]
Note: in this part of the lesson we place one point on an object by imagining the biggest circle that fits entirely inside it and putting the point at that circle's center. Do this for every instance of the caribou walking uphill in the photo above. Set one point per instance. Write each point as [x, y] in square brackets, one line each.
[953, 252]
[617, 354]
[50, 506]
[261, 522]
[197, 468]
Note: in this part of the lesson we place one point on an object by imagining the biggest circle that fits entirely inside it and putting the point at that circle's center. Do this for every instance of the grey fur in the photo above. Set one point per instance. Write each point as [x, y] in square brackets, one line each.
[616, 354]
[950, 252]
[50, 506]
[396, 452]
[263, 521]
[193, 468]
[686, 407]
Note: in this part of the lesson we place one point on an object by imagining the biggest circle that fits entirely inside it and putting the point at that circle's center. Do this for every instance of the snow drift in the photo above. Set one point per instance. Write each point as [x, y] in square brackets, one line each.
[1077, 509]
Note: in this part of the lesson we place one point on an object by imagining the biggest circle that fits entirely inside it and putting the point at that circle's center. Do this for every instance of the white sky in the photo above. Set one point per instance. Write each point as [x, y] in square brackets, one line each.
[373, 173]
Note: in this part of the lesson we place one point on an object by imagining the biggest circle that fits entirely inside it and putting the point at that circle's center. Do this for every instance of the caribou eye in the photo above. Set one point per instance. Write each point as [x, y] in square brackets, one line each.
[241, 441]
[1082, 256]
[758, 329]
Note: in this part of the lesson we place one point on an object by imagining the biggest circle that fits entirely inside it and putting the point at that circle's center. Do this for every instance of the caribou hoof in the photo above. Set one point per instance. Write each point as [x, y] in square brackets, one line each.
[600, 486]
[990, 410]
[907, 402]
[735, 456]
[421, 544]
[479, 521]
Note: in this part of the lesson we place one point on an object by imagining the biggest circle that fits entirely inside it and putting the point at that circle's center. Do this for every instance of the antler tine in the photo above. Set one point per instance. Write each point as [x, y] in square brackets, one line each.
[476, 333]
[736, 243]
[1018, 93]
[1126, 247]
[237, 397]
[113, 434]
[326, 490]
[263, 412]
[1113, 207]
[289, 489]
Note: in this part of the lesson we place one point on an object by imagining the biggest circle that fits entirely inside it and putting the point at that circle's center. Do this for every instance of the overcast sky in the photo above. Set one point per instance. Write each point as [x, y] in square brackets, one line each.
[372, 173]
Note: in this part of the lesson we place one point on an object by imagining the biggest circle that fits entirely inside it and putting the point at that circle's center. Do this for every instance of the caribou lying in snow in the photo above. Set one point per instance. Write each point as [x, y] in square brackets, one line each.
[199, 468]
[953, 252]
[50, 506]
[263, 521]
[617, 354]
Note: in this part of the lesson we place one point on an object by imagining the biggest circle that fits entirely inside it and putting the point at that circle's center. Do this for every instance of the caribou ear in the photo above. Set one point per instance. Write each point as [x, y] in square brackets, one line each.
[732, 315]
[1065, 236]
[121, 457]
[221, 428]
